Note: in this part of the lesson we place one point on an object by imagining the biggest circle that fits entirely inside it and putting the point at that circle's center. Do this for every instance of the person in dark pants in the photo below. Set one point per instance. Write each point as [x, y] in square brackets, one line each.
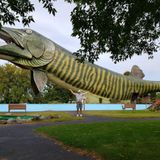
[79, 101]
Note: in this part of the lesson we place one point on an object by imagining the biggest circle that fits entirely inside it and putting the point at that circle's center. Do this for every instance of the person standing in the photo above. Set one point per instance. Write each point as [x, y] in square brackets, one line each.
[79, 101]
[84, 102]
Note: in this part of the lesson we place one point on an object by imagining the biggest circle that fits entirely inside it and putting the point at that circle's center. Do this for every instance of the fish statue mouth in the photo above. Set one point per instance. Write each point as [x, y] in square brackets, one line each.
[14, 46]
[26, 48]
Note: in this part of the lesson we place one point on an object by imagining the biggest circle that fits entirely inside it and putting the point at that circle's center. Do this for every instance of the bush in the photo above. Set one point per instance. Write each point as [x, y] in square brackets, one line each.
[155, 106]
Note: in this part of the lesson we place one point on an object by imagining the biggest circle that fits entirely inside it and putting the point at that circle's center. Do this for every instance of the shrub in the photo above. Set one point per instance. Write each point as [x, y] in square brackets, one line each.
[155, 106]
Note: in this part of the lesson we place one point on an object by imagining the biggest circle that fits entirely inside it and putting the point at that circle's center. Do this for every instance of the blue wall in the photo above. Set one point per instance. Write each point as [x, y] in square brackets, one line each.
[72, 107]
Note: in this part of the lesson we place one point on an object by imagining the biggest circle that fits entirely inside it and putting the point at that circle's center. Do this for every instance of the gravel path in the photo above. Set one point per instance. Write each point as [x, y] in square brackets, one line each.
[19, 142]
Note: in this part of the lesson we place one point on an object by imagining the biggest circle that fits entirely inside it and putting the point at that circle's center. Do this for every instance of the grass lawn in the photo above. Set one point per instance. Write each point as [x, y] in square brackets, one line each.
[134, 140]
[125, 113]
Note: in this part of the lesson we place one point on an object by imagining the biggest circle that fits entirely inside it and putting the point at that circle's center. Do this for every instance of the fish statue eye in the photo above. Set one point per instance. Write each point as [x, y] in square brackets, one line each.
[28, 31]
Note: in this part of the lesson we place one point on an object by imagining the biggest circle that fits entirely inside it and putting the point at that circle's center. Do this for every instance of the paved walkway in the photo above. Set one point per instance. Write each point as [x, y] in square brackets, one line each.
[19, 142]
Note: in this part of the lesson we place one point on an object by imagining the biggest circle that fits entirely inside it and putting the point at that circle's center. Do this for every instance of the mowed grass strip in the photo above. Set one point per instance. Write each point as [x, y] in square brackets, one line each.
[132, 140]
[125, 113]
[57, 116]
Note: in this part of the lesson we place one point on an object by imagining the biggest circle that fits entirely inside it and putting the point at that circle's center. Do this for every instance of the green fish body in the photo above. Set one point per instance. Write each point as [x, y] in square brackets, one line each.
[48, 60]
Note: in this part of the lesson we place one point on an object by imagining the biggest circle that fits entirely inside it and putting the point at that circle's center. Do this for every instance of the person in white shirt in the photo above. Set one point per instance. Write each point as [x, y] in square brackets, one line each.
[84, 102]
[79, 101]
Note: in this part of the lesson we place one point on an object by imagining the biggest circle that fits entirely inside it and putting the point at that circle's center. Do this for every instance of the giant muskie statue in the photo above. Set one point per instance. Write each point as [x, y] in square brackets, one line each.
[47, 60]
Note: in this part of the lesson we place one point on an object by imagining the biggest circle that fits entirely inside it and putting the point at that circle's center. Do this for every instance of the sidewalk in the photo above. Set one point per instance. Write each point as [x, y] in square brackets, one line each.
[19, 142]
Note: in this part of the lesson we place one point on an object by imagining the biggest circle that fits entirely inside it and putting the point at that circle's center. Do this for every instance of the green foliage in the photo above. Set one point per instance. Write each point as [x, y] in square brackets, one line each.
[56, 93]
[153, 96]
[111, 140]
[14, 10]
[15, 87]
[127, 73]
[158, 95]
[48, 4]
[122, 28]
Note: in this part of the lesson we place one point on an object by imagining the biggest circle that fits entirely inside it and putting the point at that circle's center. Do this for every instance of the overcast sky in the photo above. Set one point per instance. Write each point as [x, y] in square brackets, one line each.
[59, 29]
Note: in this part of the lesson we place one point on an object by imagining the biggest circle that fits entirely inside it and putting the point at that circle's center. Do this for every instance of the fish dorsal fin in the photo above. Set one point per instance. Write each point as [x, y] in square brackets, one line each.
[38, 80]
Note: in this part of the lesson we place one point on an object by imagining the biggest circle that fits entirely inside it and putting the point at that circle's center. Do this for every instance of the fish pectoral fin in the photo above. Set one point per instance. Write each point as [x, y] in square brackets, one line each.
[38, 49]
[38, 80]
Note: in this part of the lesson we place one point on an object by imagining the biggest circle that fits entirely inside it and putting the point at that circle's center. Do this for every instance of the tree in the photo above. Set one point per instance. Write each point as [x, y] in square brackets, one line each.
[14, 10]
[14, 85]
[54, 93]
[122, 28]
[119, 27]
